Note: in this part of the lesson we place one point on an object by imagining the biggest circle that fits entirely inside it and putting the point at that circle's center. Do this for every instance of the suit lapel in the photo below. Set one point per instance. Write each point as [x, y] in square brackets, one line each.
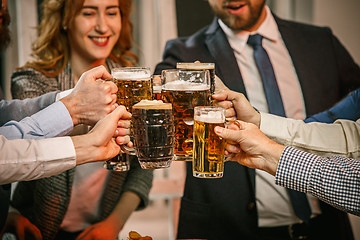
[225, 61]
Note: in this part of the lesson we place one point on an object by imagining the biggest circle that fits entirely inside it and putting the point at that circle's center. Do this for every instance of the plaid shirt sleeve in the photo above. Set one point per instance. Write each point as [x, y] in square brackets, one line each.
[334, 180]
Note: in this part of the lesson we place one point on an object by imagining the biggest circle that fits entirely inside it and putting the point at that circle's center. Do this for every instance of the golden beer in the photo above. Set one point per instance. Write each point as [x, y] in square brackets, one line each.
[209, 148]
[184, 96]
[134, 85]
[132, 91]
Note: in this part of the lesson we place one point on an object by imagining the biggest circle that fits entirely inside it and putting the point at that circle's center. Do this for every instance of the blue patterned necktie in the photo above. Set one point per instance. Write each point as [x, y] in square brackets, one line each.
[275, 103]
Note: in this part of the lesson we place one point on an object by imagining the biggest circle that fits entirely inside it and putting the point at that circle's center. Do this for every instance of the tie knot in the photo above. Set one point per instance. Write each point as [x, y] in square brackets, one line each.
[255, 40]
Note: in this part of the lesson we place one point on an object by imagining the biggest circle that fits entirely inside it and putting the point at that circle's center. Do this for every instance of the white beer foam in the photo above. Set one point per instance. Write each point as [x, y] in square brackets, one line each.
[130, 75]
[210, 117]
[196, 66]
[180, 85]
[152, 104]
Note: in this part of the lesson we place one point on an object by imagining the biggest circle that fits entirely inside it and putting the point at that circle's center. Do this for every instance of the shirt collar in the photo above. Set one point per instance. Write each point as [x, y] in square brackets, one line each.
[268, 29]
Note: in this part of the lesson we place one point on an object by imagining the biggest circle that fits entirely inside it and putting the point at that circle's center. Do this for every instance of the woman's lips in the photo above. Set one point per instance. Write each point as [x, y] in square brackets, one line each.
[100, 41]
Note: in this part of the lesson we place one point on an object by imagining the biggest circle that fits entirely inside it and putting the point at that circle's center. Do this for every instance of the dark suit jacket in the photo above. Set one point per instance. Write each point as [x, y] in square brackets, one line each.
[225, 208]
[17, 110]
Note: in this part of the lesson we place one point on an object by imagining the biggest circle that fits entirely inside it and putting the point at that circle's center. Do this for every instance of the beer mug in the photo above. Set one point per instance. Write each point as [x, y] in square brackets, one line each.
[134, 85]
[200, 66]
[156, 87]
[185, 90]
[209, 148]
[153, 133]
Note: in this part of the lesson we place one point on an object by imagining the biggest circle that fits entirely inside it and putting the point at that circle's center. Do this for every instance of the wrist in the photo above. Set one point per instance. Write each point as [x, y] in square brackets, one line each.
[85, 152]
[127, 204]
[71, 107]
[254, 117]
[273, 157]
[116, 221]
[257, 118]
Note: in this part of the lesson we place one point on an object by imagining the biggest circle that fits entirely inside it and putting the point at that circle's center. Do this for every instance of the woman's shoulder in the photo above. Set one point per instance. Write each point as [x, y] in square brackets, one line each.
[27, 73]
[29, 82]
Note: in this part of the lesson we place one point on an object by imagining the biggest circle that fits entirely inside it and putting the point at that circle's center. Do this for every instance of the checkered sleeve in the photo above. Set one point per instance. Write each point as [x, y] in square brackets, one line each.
[334, 180]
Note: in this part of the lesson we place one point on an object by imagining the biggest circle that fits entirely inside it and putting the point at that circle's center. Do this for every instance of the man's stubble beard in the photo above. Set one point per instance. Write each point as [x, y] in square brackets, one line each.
[237, 23]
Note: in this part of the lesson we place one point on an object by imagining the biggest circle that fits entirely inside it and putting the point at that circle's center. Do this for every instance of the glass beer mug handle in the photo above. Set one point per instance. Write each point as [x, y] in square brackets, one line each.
[229, 122]
[127, 150]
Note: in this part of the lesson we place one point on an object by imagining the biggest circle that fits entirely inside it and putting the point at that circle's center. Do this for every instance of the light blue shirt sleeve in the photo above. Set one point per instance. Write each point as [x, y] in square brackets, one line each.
[52, 121]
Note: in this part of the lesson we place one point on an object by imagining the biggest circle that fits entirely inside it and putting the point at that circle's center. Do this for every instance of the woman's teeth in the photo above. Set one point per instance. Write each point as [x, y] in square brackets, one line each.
[99, 39]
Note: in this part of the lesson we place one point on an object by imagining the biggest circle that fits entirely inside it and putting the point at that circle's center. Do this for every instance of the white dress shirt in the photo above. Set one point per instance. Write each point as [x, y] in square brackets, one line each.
[272, 201]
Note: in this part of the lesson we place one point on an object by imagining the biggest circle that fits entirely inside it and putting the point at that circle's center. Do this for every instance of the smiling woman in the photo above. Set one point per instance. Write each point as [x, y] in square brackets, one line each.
[71, 30]
[74, 36]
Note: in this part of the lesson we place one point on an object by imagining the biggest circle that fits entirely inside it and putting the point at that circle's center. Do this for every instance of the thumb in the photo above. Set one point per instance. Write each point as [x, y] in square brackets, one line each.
[220, 96]
[120, 113]
[112, 119]
[99, 72]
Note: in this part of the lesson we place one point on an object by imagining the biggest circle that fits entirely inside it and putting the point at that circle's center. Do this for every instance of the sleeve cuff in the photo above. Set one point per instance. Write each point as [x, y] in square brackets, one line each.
[294, 169]
[63, 94]
[61, 151]
[55, 120]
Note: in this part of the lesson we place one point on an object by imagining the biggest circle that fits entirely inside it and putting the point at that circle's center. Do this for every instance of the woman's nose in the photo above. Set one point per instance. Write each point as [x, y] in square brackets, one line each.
[101, 23]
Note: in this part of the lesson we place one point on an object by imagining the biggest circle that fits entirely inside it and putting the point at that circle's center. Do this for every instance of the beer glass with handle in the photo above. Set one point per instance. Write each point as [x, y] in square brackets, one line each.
[134, 85]
[209, 149]
[153, 133]
[156, 87]
[185, 90]
[200, 66]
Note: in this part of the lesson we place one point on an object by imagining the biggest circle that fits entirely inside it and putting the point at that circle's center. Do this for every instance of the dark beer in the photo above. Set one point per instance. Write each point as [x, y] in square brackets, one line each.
[208, 154]
[184, 96]
[153, 133]
[134, 84]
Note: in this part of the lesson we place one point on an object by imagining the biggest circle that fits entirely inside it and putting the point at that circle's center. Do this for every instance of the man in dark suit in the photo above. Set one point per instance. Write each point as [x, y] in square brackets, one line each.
[313, 71]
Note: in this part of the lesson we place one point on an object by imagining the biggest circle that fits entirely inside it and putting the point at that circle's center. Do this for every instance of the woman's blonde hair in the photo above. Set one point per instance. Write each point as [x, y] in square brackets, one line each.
[51, 50]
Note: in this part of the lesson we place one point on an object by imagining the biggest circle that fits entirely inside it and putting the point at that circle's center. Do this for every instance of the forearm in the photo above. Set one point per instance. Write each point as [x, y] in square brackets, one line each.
[50, 122]
[127, 204]
[139, 181]
[331, 179]
[85, 152]
[341, 138]
[19, 109]
[272, 156]
[42, 158]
